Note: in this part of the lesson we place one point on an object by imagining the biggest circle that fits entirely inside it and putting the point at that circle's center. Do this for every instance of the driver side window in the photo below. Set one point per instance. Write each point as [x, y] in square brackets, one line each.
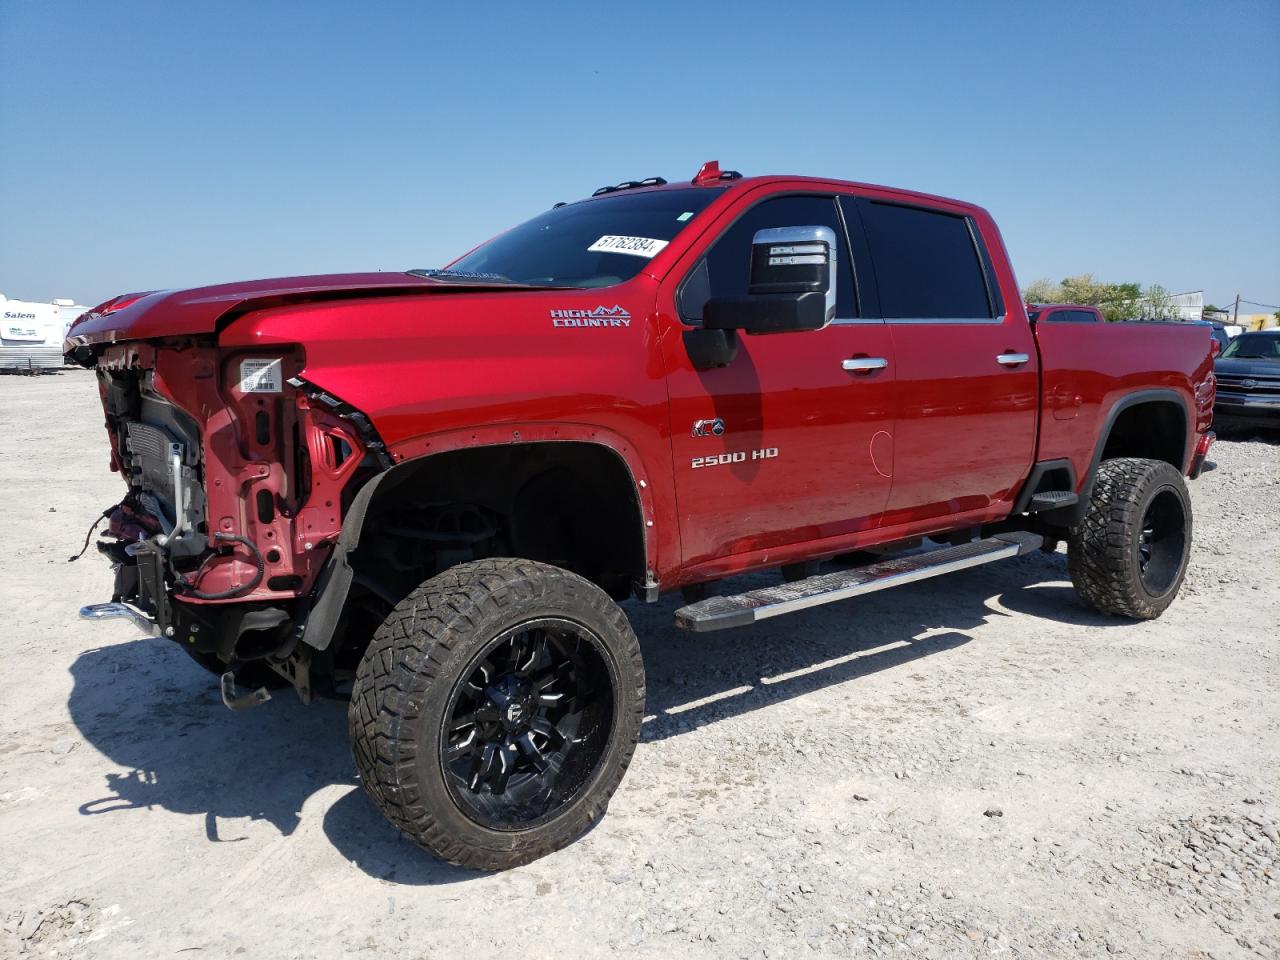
[723, 271]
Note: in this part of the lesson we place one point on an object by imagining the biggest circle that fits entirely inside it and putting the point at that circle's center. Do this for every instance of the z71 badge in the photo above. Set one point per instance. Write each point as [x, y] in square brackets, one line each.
[737, 456]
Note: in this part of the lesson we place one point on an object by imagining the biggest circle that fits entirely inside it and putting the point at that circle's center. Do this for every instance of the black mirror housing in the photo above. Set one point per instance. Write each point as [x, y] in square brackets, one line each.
[772, 313]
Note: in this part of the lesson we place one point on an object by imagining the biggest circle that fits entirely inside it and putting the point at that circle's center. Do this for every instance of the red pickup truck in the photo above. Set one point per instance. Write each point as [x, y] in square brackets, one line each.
[430, 489]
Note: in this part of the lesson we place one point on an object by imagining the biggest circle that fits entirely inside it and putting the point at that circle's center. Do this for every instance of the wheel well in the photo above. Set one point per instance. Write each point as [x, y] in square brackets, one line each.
[1153, 429]
[570, 504]
[1152, 426]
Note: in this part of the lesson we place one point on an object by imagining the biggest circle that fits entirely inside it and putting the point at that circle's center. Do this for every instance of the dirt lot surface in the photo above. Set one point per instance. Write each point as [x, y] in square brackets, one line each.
[972, 766]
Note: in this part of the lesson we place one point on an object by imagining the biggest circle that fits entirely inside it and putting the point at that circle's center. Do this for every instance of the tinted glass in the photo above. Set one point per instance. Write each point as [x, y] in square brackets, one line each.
[926, 263]
[1071, 316]
[554, 249]
[728, 261]
[1264, 346]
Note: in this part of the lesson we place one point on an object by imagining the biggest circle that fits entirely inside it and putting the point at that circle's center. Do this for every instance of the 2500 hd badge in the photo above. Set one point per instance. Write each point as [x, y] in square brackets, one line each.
[737, 456]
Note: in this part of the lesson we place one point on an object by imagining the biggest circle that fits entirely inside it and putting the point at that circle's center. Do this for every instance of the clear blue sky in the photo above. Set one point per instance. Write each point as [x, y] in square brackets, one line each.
[151, 145]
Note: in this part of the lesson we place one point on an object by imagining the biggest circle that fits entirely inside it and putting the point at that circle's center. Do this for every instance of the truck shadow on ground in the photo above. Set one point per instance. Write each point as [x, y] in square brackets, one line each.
[695, 679]
[152, 711]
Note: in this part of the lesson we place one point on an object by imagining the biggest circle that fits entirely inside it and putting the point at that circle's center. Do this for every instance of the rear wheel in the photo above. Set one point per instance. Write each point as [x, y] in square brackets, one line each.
[496, 710]
[1128, 555]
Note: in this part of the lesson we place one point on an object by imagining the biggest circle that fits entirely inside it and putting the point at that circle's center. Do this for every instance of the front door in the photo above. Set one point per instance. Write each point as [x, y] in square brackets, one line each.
[787, 443]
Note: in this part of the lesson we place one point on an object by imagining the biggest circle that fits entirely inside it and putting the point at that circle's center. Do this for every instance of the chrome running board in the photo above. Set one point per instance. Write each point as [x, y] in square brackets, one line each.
[738, 610]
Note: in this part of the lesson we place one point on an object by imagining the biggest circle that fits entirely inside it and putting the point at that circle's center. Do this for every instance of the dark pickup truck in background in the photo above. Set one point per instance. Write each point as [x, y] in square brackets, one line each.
[1248, 375]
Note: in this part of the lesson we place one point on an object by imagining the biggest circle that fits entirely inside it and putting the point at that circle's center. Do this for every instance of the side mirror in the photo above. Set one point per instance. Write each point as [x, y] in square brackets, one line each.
[792, 284]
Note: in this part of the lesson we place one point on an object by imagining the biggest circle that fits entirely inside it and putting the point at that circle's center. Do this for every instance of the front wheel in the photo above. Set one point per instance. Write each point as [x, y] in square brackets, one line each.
[1129, 554]
[496, 710]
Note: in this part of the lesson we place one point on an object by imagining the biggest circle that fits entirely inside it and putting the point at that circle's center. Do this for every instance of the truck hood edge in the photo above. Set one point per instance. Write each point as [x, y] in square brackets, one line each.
[202, 310]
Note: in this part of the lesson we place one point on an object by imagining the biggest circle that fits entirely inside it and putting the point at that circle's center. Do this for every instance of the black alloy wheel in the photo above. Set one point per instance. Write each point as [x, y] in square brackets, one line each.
[528, 724]
[1162, 542]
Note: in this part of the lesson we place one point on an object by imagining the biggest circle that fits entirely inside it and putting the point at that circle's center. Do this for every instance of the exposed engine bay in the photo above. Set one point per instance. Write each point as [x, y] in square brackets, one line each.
[160, 457]
[224, 575]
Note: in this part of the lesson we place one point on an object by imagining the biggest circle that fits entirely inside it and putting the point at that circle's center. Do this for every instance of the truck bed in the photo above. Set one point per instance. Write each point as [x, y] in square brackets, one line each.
[1087, 370]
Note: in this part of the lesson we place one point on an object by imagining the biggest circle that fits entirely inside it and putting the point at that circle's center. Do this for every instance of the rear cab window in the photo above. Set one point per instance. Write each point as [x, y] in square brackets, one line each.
[1070, 316]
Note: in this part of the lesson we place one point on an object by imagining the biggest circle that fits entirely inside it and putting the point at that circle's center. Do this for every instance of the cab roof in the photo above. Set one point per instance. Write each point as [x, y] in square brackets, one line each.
[710, 175]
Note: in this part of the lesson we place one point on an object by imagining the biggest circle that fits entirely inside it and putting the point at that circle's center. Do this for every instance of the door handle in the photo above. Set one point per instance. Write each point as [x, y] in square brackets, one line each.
[1012, 359]
[864, 364]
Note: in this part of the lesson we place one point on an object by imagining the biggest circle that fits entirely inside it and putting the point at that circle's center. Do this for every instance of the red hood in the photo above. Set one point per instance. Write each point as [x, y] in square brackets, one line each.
[172, 313]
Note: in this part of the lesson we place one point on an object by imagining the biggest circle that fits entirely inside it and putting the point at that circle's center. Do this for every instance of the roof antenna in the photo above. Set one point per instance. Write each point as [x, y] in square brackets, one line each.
[709, 172]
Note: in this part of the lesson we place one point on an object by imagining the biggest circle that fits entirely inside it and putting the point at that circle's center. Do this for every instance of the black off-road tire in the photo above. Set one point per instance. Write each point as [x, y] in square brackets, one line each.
[1105, 550]
[426, 648]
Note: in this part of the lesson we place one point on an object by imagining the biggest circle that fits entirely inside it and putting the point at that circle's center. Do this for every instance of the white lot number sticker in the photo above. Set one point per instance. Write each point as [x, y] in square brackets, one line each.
[260, 376]
[635, 246]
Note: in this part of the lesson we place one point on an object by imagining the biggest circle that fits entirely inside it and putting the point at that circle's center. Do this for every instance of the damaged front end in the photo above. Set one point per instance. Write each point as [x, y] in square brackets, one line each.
[239, 474]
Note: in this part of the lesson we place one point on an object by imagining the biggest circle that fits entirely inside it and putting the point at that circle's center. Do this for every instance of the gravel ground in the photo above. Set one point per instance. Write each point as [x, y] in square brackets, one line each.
[971, 766]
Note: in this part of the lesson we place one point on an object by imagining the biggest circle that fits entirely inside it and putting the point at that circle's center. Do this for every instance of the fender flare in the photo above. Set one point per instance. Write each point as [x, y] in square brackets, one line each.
[1154, 394]
[329, 596]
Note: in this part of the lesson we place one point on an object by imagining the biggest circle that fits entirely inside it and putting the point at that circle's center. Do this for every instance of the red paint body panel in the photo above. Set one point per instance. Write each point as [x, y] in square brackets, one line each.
[966, 426]
[438, 373]
[1088, 368]
[941, 439]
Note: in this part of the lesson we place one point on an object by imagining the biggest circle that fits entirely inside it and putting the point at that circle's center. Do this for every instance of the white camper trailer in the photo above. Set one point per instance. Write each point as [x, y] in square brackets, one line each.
[31, 334]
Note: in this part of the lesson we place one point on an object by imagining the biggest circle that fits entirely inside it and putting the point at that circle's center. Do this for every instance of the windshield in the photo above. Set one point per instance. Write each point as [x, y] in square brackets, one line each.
[1254, 346]
[593, 243]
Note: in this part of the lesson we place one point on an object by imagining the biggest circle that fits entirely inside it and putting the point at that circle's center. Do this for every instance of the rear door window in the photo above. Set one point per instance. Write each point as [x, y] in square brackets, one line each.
[927, 263]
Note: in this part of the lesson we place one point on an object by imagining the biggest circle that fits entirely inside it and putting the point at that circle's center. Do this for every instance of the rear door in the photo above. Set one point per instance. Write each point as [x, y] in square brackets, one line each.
[794, 447]
[966, 369]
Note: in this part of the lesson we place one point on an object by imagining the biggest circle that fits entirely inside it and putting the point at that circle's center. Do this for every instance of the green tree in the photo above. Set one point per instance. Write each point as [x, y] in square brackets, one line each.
[1157, 304]
[1043, 291]
[1116, 301]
